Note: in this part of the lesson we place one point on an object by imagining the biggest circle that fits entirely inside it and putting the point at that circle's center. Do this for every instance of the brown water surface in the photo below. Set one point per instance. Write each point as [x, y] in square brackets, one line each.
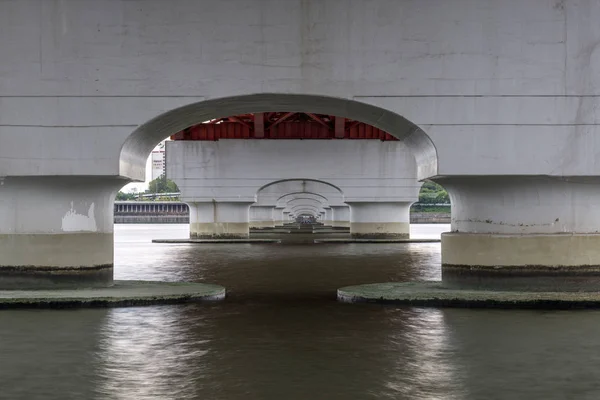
[281, 334]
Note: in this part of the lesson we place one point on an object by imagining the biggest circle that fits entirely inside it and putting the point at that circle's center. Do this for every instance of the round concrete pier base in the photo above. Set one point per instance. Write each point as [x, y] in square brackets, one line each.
[375, 235]
[121, 294]
[208, 241]
[435, 294]
[335, 240]
[567, 262]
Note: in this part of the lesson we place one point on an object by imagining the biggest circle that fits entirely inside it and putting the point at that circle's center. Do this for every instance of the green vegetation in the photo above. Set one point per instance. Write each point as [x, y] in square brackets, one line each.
[122, 196]
[432, 193]
[156, 186]
[162, 185]
[429, 209]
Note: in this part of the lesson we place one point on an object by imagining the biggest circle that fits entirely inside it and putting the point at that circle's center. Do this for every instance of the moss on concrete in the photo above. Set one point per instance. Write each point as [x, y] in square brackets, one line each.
[121, 294]
[434, 294]
[377, 240]
[216, 241]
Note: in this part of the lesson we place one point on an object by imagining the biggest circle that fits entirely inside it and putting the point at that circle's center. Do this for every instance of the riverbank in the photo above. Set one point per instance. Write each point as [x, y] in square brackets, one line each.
[415, 218]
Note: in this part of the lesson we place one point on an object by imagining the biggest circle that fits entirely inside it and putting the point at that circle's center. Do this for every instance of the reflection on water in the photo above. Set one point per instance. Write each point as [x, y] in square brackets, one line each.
[281, 335]
[147, 354]
[424, 369]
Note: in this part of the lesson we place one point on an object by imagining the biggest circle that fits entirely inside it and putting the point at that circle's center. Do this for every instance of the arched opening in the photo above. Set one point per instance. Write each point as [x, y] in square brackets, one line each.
[284, 197]
[433, 207]
[138, 145]
[306, 201]
[299, 185]
[296, 209]
[92, 212]
[275, 197]
[388, 217]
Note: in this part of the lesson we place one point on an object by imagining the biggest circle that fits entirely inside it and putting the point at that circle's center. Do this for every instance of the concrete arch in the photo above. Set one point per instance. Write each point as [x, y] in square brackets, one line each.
[307, 196]
[279, 192]
[300, 210]
[137, 146]
[275, 193]
[296, 209]
[293, 207]
[298, 185]
[306, 212]
[306, 201]
[283, 197]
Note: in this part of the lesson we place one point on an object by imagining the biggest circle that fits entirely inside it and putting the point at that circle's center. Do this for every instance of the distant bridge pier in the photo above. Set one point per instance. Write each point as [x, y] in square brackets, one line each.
[287, 218]
[379, 220]
[319, 173]
[219, 219]
[262, 217]
[328, 217]
[278, 216]
[341, 216]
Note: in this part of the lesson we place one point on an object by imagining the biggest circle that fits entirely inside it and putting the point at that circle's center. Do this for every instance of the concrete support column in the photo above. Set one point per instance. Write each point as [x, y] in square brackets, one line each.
[278, 217]
[523, 233]
[341, 216]
[379, 220]
[286, 217]
[56, 231]
[217, 219]
[261, 217]
[328, 221]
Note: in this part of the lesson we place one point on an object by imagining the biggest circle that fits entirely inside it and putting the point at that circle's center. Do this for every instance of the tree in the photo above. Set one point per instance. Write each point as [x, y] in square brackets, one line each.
[162, 185]
[122, 196]
[432, 193]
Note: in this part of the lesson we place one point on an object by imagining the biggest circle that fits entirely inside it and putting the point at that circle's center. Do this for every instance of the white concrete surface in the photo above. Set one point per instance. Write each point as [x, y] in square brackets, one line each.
[64, 223]
[280, 191]
[390, 219]
[524, 205]
[363, 170]
[510, 76]
[472, 87]
[341, 216]
[262, 216]
[522, 221]
[219, 219]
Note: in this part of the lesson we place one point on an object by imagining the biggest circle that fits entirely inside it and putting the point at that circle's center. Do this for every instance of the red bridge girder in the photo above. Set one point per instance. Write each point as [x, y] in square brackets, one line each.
[282, 125]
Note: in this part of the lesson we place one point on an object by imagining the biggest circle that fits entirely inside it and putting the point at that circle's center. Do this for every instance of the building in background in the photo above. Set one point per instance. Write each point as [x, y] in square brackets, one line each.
[155, 166]
[158, 161]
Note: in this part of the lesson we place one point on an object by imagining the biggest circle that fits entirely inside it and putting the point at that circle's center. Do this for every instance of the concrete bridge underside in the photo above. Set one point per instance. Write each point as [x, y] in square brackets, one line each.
[501, 109]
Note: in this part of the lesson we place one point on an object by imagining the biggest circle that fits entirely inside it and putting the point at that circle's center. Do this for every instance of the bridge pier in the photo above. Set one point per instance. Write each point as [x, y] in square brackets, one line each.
[528, 233]
[328, 217]
[56, 232]
[262, 216]
[278, 217]
[379, 220]
[341, 216]
[219, 219]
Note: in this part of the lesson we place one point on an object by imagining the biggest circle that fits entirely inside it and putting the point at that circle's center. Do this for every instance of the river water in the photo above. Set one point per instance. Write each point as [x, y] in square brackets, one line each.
[280, 334]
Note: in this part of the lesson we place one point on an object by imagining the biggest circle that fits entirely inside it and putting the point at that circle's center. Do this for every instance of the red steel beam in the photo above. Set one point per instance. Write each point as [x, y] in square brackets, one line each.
[290, 125]
[339, 124]
[319, 120]
[239, 121]
[259, 125]
[283, 118]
